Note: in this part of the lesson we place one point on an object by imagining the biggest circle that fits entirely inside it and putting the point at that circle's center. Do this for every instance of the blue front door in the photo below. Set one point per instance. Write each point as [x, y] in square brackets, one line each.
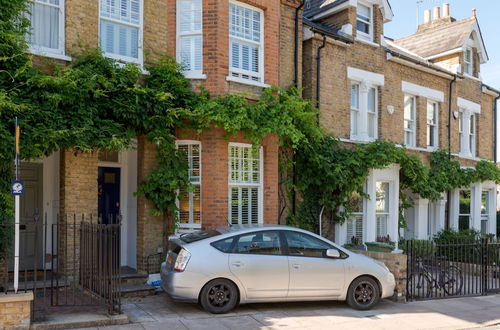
[109, 194]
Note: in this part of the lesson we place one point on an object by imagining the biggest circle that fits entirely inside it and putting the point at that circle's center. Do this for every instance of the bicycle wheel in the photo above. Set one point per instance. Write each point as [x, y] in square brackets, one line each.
[419, 286]
[451, 280]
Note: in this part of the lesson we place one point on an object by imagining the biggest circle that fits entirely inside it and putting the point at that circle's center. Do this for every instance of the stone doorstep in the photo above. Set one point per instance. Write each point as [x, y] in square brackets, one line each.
[80, 320]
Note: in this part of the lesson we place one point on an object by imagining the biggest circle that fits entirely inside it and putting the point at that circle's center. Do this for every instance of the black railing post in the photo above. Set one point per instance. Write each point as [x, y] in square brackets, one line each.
[484, 264]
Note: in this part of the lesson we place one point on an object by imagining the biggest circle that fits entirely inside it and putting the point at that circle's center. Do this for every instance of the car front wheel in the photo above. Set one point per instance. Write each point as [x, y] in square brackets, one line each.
[219, 296]
[363, 293]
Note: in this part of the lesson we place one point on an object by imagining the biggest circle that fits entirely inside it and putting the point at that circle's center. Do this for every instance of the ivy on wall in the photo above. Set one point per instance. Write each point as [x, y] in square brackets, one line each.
[95, 104]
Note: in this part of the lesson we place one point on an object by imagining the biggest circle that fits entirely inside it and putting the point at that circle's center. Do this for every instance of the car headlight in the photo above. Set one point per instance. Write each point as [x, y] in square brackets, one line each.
[381, 264]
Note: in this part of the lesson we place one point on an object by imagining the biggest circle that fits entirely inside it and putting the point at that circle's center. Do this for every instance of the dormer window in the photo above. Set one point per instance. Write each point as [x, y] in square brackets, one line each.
[468, 61]
[364, 22]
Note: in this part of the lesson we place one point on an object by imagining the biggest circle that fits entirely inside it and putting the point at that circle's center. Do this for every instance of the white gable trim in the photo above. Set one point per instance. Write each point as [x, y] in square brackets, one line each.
[422, 91]
[481, 48]
[383, 4]
[366, 76]
[468, 105]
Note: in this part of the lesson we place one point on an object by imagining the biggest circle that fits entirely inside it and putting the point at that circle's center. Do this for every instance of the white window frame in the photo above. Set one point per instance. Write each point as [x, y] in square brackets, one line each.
[362, 35]
[471, 209]
[352, 223]
[52, 52]
[236, 71]
[191, 225]
[485, 216]
[433, 126]
[410, 131]
[259, 185]
[384, 214]
[359, 112]
[190, 74]
[354, 111]
[140, 56]
[461, 131]
[472, 134]
[469, 65]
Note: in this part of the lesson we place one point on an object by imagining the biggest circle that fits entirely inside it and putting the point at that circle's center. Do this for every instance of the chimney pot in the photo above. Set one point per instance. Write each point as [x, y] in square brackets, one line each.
[437, 12]
[446, 10]
[427, 16]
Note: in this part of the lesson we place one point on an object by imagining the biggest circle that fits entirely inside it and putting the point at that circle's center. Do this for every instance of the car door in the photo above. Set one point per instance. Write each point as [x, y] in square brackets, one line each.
[258, 263]
[312, 274]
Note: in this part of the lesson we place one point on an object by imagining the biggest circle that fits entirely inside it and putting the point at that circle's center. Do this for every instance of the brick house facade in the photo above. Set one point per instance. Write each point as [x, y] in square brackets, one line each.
[218, 54]
[373, 87]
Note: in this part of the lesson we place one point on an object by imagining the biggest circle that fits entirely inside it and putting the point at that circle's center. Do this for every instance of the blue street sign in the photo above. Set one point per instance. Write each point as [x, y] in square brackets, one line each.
[17, 187]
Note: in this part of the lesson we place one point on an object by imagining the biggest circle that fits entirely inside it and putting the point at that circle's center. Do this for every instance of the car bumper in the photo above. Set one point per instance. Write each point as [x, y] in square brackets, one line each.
[180, 286]
[388, 286]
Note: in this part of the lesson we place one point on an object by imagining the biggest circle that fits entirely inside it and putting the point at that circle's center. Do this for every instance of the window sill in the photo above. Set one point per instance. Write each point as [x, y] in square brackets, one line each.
[357, 140]
[466, 75]
[428, 149]
[43, 53]
[466, 156]
[124, 59]
[194, 75]
[370, 43]
[247, 82]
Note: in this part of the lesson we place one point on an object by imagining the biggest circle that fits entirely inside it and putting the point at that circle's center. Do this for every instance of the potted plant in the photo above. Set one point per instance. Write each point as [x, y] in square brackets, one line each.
[382, 244]
[355, 244]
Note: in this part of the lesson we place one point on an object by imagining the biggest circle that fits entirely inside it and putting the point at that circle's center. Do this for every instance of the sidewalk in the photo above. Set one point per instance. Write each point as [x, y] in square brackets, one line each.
[159, 312]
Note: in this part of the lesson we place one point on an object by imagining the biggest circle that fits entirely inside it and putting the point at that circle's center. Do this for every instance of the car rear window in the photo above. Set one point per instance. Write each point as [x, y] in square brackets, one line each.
[224, 245]
[198, 235]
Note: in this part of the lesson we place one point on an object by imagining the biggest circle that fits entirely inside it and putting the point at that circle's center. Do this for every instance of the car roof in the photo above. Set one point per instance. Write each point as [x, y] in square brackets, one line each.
[249, 228]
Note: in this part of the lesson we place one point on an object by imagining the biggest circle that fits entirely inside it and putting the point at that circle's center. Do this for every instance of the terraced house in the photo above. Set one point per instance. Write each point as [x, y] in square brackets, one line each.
[423, 91]
[226, 47]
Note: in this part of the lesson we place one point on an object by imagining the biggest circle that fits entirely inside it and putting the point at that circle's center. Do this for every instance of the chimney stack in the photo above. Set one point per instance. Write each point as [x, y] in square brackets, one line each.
[437, 13]
[474, 12]
[446, 10]
[427, 16]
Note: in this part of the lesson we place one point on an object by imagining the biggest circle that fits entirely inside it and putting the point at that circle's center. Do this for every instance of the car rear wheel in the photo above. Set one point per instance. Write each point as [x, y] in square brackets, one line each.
[363, 293]
[219, 296]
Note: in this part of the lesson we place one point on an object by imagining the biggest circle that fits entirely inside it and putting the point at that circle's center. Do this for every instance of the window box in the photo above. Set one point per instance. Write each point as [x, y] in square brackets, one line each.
[380, 246]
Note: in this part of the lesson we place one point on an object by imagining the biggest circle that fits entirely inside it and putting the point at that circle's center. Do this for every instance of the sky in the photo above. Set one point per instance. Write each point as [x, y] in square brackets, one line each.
[405, 20]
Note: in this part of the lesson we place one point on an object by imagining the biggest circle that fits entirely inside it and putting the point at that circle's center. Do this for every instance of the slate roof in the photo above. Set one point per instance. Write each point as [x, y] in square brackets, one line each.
[327, 29]
[439, 39]
[313, 7]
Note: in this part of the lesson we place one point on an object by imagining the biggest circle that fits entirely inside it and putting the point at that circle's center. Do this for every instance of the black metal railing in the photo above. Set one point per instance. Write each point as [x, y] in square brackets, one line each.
[452, 268]
[73, 263]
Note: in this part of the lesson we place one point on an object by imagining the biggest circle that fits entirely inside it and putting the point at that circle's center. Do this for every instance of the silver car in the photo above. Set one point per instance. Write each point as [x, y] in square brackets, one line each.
[235, 265]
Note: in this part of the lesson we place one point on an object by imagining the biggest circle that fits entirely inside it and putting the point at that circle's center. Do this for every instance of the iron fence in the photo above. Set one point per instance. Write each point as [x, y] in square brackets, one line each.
[452, 268]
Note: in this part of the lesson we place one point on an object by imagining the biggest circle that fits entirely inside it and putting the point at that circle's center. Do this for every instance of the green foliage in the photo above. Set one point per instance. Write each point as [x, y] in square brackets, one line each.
[421, 247]
[379, 247]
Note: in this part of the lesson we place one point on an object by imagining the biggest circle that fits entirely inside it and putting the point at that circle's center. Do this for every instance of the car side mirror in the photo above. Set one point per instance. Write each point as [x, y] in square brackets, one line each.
[333, 253]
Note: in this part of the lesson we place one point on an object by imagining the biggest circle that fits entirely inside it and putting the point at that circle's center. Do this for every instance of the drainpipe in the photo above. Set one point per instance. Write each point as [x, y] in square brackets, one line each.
[450, 98]
[318, 73]
[296, 49]
[296, 83]
[495, 124]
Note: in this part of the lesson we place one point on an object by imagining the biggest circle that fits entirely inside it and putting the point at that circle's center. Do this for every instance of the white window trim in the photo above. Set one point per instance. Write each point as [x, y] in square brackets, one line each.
[422, 91]
[50, 52]
[471, 63]
[436, 125]
[469, 105]
[261, 44]
[189, 74]
[414, 122]
[466, 149]
[192, 226]
[140, 60]
[363, 113]
[361, 36]
[260, 185]
[473, 135]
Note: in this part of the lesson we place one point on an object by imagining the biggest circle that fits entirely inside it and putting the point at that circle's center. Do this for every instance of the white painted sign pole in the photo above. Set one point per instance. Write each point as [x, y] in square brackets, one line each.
[17, 212]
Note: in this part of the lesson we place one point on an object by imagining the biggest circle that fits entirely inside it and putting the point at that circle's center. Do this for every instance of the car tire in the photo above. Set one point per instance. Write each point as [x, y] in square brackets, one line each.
[219, 296]
[363, 293]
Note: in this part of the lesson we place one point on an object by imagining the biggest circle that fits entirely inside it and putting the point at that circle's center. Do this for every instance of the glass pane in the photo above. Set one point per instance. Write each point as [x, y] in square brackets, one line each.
[244, 165]
[485, 201]
[300, 244]
[259, 243]
[354, 122]
[119, 39]
[372, 94]
[363, 27]
[465, 200]
[363, 12]
[409, 107]
[382, 198]
[463, 222]
[244, 22]
[355, 96]
[382, 226]
[44, 31]
[224, 245]
[372, 125]
[356, 202]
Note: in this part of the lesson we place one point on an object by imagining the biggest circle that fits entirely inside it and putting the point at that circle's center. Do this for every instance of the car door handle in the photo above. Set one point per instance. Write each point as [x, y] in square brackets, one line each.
[296, 266]
[237, 263]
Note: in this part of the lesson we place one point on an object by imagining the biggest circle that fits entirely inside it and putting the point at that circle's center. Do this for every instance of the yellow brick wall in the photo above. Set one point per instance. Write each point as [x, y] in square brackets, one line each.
[15, 311]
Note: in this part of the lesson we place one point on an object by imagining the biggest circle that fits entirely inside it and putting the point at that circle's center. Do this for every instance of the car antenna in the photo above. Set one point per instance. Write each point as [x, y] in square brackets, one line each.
[228, 222]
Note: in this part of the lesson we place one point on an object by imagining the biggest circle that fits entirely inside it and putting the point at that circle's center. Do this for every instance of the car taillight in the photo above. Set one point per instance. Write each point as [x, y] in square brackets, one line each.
[182, 260]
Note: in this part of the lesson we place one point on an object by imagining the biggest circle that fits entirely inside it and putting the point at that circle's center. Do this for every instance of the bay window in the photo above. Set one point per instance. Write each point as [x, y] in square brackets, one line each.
[189, 36]
[46, 34]
[245, 184]
[190, 202]
[120, 29]
[246, 38]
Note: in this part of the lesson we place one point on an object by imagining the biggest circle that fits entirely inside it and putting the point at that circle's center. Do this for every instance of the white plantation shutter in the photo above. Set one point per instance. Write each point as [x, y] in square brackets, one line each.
[244, 184]
[120, 26]
[190, 34]
[190, 202]
[355, 228]
[245, 42]
[47, 24]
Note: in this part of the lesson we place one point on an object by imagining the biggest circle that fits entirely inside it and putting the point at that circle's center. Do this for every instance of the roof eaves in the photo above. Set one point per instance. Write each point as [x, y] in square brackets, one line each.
[327, 30]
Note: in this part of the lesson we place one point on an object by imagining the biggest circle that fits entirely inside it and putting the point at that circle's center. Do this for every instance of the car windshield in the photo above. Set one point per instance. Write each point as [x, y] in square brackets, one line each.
[198, 235]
